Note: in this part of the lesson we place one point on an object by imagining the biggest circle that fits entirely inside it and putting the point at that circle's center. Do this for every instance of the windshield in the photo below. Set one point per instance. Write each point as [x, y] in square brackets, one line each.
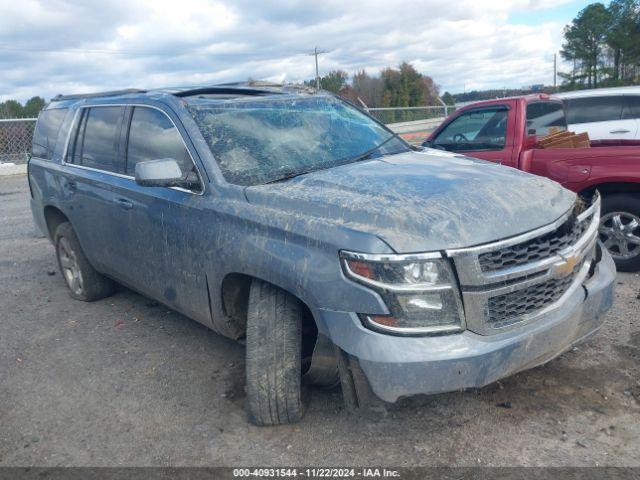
[265, 140]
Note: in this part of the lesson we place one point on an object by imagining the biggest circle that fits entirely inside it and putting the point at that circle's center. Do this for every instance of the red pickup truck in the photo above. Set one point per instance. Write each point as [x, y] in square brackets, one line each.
[507, 131]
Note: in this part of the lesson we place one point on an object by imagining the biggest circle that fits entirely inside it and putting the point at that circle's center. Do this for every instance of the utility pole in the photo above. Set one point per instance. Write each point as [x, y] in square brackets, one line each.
[555, 72]
[315, 53]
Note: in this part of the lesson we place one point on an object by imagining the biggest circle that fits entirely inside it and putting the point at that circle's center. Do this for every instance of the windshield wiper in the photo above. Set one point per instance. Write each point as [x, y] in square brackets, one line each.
[365, 155]
[289, 176]
[357, 158]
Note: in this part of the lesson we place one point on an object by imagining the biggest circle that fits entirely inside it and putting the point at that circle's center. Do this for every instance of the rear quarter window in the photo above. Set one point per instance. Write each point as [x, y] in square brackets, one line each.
[594, 109]
[631, 107]
[45, 135]
[543, 116]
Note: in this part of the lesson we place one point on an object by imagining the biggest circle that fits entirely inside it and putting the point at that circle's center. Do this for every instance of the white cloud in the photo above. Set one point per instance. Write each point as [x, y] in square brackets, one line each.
[467, 43]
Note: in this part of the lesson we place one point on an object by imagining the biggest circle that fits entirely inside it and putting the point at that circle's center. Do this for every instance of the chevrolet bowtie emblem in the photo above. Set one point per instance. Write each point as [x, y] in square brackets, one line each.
[563, 269]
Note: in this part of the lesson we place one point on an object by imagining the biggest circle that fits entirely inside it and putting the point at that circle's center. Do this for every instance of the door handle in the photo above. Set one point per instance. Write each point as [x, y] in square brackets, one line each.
[620, 130]
[124, 203]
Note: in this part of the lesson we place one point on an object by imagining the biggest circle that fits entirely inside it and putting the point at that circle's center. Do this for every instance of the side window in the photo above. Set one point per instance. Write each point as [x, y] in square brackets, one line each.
[631, 107]
[482, 129]
[594, 109]
[74, 150]
[97, 138]
[46, 132]
[543, 116]
[152, 136]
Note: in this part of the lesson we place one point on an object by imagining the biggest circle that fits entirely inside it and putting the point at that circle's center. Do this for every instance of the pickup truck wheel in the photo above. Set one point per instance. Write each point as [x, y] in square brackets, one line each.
[620, 230]
[274, 356]
[84, 282]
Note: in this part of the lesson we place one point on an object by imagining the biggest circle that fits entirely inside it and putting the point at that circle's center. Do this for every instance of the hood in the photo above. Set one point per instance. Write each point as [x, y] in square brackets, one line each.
[421, 201]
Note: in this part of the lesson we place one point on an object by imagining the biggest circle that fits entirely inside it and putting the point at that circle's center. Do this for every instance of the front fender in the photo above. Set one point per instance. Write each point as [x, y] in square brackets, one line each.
[307, 268]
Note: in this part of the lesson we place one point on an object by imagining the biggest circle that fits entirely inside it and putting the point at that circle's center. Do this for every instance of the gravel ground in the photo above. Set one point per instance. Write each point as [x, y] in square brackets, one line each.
[124, 381]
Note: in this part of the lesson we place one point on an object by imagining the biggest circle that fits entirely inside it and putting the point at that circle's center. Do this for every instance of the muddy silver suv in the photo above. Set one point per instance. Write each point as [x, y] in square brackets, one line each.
[294, 221]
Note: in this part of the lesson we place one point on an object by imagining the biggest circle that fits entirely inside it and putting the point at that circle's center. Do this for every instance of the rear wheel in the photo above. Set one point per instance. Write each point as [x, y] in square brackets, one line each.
[274, 356]
[84, 282]
[620, 230]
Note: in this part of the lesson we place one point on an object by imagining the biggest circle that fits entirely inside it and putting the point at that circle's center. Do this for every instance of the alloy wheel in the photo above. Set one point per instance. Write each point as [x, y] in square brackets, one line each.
[620, 234]
[69, 265]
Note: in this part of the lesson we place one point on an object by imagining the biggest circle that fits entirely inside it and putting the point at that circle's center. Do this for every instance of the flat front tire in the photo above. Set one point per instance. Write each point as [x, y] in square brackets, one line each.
[83, 281]
[273, 356]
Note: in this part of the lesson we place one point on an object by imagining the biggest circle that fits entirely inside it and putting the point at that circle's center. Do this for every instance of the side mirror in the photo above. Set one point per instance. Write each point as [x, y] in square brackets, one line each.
[427, 143]
[160, 173]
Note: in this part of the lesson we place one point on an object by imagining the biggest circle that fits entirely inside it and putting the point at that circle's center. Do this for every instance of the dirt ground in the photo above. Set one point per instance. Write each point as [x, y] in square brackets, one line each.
[124, 381]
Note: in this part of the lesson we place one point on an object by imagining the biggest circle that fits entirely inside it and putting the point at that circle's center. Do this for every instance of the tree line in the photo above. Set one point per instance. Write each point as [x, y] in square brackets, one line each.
[14, 109]
[403, 86]
[603, 46]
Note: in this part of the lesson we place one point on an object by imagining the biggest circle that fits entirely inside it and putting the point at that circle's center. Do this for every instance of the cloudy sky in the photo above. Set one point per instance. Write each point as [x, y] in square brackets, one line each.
[66, 46]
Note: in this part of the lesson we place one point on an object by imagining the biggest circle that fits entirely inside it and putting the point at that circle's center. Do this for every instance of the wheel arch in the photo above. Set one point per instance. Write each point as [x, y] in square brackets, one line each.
[234, 297]
[53, 217]
[609, 188]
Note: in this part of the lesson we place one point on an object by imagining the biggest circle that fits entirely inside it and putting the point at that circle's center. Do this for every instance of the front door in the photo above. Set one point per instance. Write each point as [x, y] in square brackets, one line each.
[159, 229]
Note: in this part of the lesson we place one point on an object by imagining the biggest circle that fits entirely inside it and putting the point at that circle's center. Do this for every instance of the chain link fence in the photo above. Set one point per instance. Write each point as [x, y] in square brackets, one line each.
[15, 139]
[409, 114]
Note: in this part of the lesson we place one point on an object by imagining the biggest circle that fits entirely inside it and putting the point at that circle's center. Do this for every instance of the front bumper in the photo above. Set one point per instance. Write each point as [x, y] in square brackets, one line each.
[402, 366]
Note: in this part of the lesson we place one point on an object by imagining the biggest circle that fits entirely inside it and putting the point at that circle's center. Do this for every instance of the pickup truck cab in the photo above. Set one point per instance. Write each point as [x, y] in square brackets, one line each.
[290, 220]
[507, 130]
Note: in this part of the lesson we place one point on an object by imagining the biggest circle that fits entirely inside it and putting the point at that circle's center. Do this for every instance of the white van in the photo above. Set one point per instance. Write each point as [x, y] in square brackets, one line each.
[604, 113]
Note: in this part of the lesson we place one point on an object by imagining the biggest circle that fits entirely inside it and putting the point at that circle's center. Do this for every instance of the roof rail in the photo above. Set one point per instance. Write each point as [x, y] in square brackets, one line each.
[223, 90]
[112, 93]
[252, 84]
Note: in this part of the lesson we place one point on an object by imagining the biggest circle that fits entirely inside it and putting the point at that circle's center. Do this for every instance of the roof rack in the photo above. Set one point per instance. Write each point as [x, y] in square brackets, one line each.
[112, 93]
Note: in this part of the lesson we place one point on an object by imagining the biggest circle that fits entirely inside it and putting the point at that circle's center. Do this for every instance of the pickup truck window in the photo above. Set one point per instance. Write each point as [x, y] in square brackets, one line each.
[96, 139]
[152, 136]
[265, 140]
[594, 109]
[46, 133]
[478, 129]
[541, 116]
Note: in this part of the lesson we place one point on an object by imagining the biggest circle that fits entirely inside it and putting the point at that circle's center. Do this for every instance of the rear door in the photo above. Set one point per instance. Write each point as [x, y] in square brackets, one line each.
[479, 132]
[601, 117]
[92, 161]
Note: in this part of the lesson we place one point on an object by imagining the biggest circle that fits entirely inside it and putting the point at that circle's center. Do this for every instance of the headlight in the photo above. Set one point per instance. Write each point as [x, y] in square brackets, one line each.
[419, 291]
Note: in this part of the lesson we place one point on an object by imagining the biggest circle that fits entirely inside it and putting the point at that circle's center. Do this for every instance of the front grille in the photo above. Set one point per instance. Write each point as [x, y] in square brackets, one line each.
[539, 248]
[512, 282]
[511, 308]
